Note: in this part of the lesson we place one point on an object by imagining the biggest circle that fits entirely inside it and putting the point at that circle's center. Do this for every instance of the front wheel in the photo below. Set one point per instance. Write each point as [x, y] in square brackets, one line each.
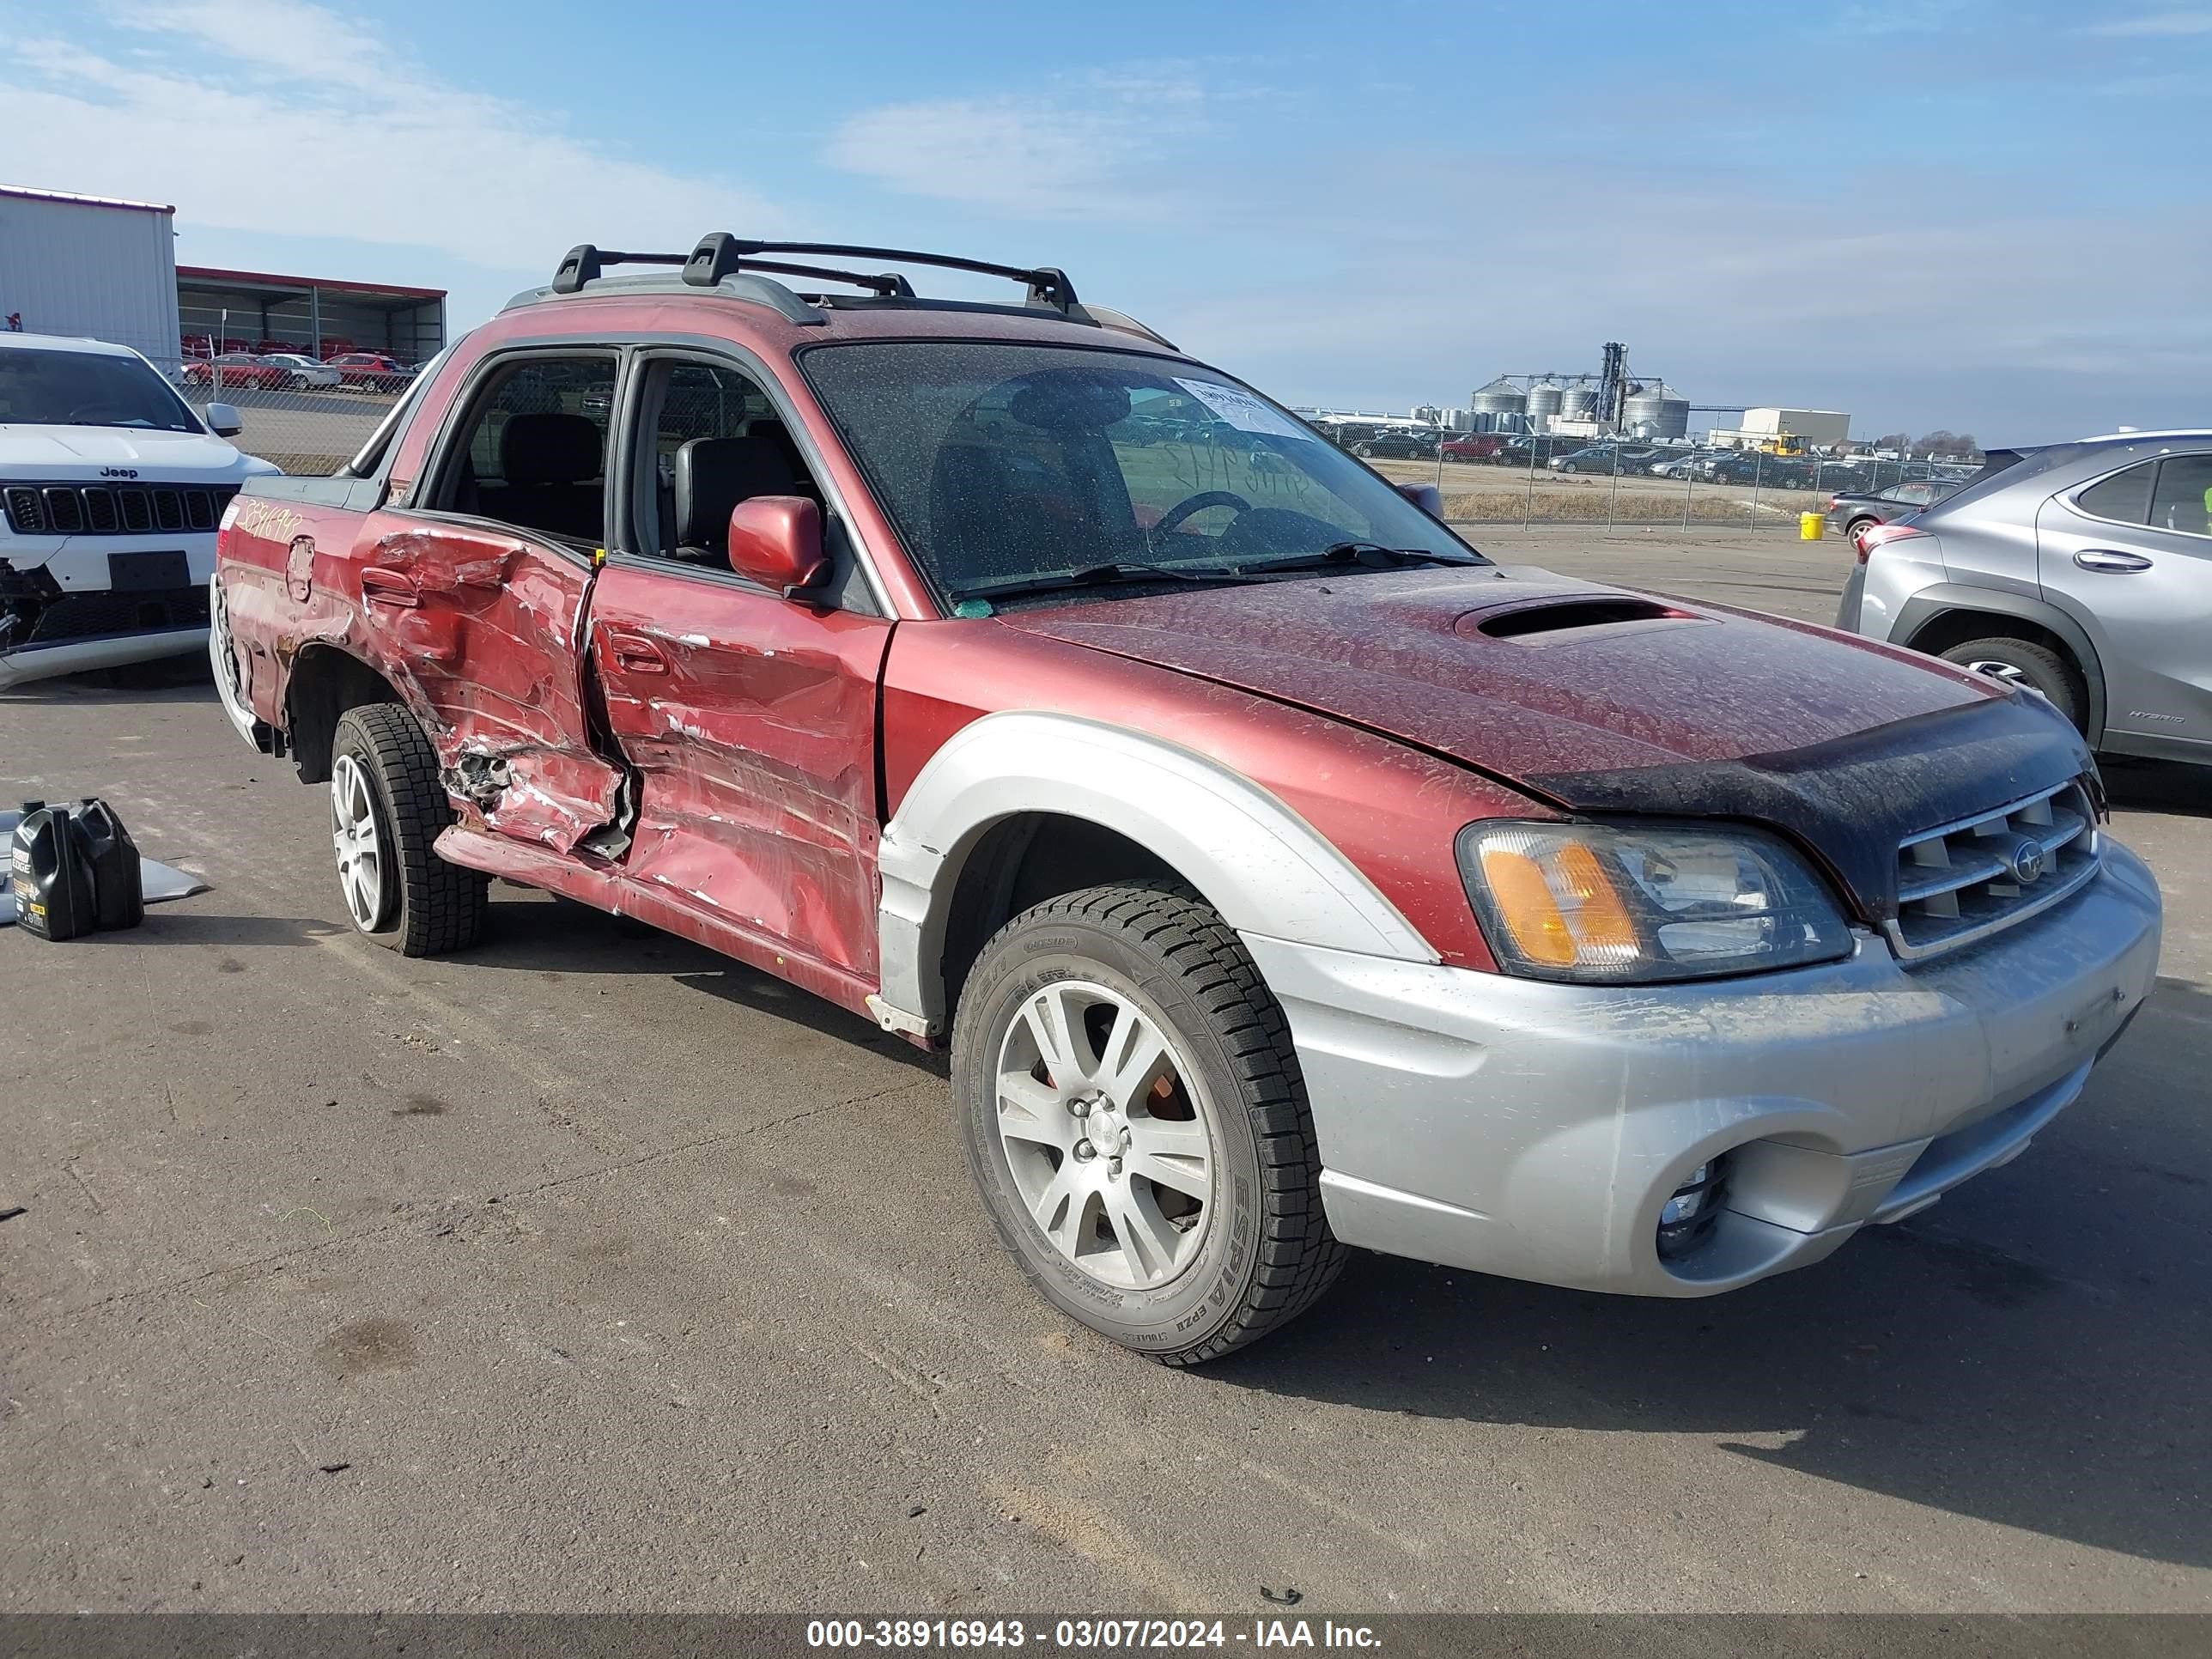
[387, 808]
[1137, 1123]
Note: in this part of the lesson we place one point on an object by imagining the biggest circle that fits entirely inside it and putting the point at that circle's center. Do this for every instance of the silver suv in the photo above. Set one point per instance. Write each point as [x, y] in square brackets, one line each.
[2083, 570]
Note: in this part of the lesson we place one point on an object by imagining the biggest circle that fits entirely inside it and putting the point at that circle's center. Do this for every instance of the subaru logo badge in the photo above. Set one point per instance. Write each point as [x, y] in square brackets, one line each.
[2026, 861]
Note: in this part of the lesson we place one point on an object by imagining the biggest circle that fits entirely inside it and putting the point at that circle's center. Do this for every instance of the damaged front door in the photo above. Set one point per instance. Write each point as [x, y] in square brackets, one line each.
[750, 718]
[480, 597]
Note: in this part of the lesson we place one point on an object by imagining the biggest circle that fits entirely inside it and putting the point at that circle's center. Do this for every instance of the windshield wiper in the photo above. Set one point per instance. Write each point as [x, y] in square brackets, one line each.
[1093, 575]
[1370, 554]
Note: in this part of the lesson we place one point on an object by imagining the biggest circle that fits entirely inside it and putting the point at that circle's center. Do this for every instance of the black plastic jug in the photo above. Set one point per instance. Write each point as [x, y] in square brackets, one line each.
[119, 897]
[52, 878]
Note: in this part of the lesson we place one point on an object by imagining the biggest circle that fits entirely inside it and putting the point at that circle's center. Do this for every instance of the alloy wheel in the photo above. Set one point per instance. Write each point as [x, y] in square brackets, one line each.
[360, 850]
[1105, 1134]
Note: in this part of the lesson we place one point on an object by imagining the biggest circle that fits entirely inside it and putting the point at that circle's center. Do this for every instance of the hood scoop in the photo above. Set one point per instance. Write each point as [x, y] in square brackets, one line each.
[1563, 620]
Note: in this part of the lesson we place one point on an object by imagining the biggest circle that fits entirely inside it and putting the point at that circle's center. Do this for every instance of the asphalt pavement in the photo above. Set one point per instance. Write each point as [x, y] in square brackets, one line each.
[588, 1270]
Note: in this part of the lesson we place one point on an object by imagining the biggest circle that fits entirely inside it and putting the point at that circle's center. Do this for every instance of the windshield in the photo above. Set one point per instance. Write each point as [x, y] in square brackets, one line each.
[87, 388]
[999, 462]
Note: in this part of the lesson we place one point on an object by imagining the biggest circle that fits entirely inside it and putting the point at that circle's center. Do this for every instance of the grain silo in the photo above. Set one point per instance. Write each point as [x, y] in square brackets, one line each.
[1498, 406]
[1656, 410]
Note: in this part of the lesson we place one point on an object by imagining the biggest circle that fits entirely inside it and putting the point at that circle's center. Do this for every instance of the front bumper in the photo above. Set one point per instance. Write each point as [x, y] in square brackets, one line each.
[1535, 1130]
[44, 662]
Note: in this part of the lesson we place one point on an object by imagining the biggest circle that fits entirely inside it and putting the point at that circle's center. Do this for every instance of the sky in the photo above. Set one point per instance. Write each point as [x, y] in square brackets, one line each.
[1986, 215]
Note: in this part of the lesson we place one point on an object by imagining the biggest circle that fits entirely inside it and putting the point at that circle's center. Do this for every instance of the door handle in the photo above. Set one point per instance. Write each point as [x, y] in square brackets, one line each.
[2110, 559]
[380, 585]
[635, 653]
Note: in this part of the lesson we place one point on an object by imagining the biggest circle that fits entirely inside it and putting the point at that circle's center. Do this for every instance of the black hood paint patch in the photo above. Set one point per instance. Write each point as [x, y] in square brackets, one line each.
[1850, 802]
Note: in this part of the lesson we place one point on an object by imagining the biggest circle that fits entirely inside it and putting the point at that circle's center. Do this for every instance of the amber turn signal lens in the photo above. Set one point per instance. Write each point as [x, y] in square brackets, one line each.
[1601, 922]
[1524, 900]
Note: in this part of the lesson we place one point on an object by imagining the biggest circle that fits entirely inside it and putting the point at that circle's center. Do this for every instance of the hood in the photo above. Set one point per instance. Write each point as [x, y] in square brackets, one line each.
[1602, 699]
[1520, 673]
[56, 454]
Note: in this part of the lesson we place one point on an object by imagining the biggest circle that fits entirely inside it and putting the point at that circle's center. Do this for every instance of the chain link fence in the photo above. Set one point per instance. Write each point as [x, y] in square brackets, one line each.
[1544, 481]
[304, 429]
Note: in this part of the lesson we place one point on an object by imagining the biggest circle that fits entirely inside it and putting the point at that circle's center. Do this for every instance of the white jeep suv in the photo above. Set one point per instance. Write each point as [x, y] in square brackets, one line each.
[111, 488]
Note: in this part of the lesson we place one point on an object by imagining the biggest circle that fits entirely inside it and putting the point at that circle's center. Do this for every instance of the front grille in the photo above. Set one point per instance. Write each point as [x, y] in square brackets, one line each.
[1961, 884]
[133, 509]
[94, 616]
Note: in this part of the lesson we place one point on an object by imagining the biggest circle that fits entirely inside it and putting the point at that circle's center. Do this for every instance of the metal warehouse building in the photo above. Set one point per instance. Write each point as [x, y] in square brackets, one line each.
[258, 311]
[89, 265]
[106, 268]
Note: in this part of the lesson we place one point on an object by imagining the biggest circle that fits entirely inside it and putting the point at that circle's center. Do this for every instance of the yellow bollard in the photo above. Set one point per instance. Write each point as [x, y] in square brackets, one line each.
[1811, 525]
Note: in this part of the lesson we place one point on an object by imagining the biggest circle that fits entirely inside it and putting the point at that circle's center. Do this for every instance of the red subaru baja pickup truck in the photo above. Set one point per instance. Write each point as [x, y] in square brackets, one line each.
[1283, 874]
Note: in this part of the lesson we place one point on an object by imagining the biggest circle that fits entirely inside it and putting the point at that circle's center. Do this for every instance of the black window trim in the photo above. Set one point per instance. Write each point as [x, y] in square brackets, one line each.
[460, 417]
[646, 352]
[2157, 463]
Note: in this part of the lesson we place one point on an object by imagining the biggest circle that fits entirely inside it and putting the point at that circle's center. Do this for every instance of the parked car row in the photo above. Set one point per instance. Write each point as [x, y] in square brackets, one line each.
[1370, 441]
[292, 371]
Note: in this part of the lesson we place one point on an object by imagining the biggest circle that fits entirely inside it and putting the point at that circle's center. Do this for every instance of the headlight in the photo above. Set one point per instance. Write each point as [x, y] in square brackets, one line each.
[1640, 903]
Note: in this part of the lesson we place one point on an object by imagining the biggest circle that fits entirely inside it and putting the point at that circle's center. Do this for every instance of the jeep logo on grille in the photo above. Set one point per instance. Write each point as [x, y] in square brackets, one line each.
[2026, 861]
[118, 472]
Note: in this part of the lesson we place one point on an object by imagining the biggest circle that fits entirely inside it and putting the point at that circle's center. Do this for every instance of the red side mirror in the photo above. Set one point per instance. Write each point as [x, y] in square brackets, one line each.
[776, 541]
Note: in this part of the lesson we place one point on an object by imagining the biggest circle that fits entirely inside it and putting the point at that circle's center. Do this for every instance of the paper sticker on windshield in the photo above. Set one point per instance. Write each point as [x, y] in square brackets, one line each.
[1242, 409]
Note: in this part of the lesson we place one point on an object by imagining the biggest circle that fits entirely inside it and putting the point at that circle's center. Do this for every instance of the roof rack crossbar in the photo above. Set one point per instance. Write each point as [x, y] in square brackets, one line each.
[890, 285]
[721, 254]
[585, 264]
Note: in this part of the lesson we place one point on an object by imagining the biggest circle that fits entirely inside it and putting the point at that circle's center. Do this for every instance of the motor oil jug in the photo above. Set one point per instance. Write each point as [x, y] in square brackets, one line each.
[118, 898]
[52, 881]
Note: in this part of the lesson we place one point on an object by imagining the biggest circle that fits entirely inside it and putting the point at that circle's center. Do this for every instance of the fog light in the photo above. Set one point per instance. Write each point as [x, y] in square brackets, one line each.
[1685, 1219]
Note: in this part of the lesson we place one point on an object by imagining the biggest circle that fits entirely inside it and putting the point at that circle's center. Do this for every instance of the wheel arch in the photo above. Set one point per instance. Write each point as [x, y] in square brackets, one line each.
[1019, 807]
[325, 682]
[1940, 617]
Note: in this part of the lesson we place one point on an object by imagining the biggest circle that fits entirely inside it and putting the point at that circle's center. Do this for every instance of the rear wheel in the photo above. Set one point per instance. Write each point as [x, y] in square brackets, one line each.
[1136, 1121]
[1854, 526]
[2024, 662]
[387, 808]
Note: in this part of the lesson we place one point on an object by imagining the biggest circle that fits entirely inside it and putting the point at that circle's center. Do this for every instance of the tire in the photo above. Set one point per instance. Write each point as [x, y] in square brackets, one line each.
[1854, 526]
[387, 802]
[2036, 667]
[1366, 451]
[1215, 1258]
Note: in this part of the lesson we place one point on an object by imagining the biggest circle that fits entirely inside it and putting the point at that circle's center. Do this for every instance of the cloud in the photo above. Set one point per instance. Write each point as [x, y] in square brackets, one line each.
[1104, 144]
[287, 118]
[2163, 25]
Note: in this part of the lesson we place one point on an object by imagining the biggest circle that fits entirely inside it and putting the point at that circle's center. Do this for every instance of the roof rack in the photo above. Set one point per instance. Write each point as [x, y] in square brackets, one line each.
[732, 266]
[721, 255]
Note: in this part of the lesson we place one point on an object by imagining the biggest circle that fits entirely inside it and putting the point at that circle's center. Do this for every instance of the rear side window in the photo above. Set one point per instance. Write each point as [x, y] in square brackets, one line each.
[534, 452]
[2183, 498]
[2124, 498]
